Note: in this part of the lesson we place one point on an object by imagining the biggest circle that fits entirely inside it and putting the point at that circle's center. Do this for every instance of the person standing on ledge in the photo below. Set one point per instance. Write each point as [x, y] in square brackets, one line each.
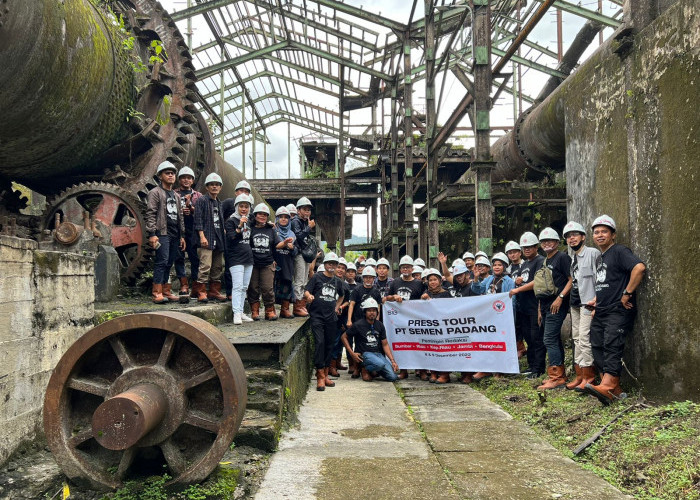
[618, 274]
[209, 224]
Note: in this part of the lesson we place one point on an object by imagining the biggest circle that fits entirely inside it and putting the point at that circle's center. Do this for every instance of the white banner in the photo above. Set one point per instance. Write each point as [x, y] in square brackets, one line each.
[469, 334]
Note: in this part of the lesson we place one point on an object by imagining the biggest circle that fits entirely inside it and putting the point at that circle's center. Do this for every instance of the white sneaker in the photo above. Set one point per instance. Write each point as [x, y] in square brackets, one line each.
[237, 320]
[246, 318]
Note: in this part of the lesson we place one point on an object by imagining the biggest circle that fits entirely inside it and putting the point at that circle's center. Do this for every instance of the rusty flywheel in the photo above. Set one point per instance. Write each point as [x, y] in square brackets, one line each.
[145, 394]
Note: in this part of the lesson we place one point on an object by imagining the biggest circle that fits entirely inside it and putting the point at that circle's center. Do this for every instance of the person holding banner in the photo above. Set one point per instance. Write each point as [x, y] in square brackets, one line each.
[405, 288]
[515, 255]
[435, 290]
[459, 278]
[372, 351]
[528, 306]
[324, 292]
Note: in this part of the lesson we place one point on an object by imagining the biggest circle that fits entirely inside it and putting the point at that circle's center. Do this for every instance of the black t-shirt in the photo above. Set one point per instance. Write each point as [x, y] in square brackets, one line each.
[383, 286]
[368, 338]
[358, 295]
[527, 302]
[613, 270]
[238, 251]
[560, 266]
[441, 294]
[262, 242]
[218, 227]
[514, 269]
[189, 219]
[326, 292]
[575, 297]
[171, 212]
[407, 290]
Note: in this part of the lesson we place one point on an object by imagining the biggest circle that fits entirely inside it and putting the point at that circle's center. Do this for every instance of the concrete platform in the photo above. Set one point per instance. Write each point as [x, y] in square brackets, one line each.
[362, 440]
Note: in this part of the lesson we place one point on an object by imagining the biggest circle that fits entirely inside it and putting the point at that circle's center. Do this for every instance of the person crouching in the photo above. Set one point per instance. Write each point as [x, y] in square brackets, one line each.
[373, 353]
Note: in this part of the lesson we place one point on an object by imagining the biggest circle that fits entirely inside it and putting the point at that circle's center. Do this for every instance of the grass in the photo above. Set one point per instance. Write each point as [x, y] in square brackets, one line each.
[651, 451]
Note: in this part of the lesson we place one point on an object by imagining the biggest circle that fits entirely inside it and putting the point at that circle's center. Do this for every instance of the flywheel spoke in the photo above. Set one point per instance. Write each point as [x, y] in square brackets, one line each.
[125, 462]
[206, 422]
[167, 350]
[200, 379]
[91, 386]
[79, 438]
[107, 209]
[121, 352]
[175, 459]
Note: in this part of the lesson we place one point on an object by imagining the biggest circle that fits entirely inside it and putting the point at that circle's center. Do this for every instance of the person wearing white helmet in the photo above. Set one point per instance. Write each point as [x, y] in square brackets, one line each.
[209, 225]
[324, 293]
[406, 287]
[371, 349]
[239, 255]
[554, 308]
[351, 275]
[264, 241]
[284, 260]
[435, 290]
[383, 280]
[188, 199]
[228, 206]
[417, 273]
[419, 262]
[457, 283]
[302, 225]
[482, 270]
[371, 262]
[515, 256]
[618, 274]
[582, 290]
[165, 227]
[292, 210]
[469, 260]
[337, 353]
[528, 306]
[361, 293]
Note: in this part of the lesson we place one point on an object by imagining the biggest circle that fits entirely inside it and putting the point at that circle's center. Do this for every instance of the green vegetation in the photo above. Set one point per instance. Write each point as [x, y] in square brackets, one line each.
[109, 315]
[650, 451]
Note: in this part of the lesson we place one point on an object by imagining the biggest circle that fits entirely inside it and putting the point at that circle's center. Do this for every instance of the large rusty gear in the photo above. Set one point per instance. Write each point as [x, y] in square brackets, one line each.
[145, 394]
[119, 217]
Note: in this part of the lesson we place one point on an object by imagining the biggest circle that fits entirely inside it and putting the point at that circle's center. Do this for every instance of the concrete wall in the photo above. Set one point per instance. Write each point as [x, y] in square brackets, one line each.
[632, 151]
[46, 303]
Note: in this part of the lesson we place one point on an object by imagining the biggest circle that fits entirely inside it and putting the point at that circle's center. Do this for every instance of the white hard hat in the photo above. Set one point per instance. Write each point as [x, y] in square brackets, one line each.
[419, 262]
[242, 198]
[512, 245]
[369, 303]
[431, 272]
[303, 202]
[243, 185]
[549, 234]
[406, 260]
[604, 220]
[417, 269]
[370, 262]
[383, 262]
[458, 262]
[483, 260]
[528, 239]
[341, 260]
[330, 257]
[571, 227]
[459, 269]
[502, 257]
[321, 268]
[369, 271]
[351, 266]
[261, 208]
[213, 178]
[282, 211]
[292, 209]
[481, 254]
[185, 171]
[166, 165]
[468, 255]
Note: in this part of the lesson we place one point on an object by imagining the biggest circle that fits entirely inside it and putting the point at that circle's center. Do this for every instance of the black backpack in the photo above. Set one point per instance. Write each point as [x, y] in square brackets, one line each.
[309, 248]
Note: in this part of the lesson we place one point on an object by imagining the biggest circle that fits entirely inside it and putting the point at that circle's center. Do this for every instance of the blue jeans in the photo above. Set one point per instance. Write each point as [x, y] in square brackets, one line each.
[375, 362]
[551, 326]
[240, 279]
[165, 256]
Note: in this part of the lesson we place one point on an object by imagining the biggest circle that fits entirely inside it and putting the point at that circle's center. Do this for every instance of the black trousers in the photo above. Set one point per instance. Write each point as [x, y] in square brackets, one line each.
[608, 331]
[534, 337]
[324, 330]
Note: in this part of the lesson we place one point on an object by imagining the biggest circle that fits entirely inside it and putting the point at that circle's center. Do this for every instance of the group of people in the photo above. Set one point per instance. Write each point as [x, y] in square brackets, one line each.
[275, 260]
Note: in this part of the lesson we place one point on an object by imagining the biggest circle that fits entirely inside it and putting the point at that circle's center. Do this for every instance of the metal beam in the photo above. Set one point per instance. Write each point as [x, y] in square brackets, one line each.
[208, 71]
[339, 60]
[530, 64]
[201, 8]
[363, 14]
[585, 13]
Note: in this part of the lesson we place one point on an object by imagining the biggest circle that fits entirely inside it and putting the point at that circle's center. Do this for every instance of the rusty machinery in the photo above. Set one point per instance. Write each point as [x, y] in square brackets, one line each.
[91, 105]
[145, 394]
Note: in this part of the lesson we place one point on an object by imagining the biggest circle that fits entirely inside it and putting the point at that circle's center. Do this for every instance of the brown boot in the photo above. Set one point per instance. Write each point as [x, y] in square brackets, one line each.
[339, 363]
[423, 375]
[587, 377]
[328, 381]
[270, 313]
[366, 376]
[577, 381]
[184, 295]
[168, 293]
[466, 378]
[300, 309]
[557, 378]
[215, 292]
[433, 376]
[201, 290]
[255, 311]
[479, 376]
[157, 292]
[521, 348]
[333, 370]
[285, 313]
[608, 389]
[443, 378]
[403, 374]
[320, 380]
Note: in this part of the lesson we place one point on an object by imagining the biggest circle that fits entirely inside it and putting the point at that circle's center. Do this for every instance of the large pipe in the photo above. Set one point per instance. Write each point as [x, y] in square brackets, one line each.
[65, 88]
[536, 145]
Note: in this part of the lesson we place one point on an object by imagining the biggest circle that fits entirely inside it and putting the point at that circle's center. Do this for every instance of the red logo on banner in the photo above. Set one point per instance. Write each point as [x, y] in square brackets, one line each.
[499, 306]
[469, 346]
